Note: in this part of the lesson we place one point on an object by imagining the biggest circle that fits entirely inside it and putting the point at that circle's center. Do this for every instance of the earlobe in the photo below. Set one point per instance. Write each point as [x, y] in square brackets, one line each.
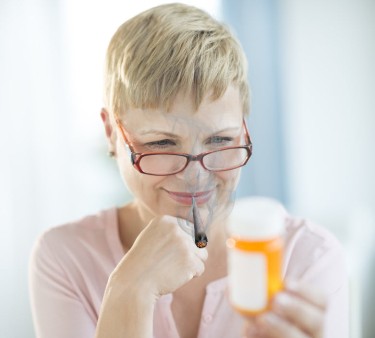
[106, 121]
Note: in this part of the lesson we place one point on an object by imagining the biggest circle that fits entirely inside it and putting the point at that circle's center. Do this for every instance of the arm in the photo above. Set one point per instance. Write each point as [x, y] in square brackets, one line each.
[162, 259]
[129, 315]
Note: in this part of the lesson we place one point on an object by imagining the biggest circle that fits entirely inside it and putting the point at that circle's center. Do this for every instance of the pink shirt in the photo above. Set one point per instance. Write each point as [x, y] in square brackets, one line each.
[70, 266]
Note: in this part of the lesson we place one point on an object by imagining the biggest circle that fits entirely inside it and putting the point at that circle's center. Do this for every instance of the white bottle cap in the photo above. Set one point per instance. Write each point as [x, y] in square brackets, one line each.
[257, 218]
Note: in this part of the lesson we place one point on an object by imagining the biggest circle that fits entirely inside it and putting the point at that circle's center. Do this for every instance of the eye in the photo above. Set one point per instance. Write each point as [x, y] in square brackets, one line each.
[161, 144]
[220, 140]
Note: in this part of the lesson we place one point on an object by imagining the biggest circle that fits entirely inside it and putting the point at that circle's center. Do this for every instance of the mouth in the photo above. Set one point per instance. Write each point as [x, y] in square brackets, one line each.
[185, 198]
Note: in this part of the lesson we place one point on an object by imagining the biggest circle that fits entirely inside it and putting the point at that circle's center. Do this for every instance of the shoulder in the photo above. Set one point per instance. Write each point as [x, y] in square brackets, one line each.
[86, 229]
[310, 238]
[80, 238]
[314, 254]
[70, 264]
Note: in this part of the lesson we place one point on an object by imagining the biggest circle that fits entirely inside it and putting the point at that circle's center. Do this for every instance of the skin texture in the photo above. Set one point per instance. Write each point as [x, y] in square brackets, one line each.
[156, 229]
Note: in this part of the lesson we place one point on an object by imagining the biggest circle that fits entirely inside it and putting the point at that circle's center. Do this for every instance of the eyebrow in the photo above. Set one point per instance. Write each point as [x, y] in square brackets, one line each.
[165, 133]
[157, 132]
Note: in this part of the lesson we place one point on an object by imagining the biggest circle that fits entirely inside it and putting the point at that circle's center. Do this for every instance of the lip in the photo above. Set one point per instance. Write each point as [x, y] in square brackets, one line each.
[185, 198]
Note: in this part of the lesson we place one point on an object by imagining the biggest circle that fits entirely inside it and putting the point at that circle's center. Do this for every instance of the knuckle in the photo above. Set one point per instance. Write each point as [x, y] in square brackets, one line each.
[199, 269]
[203, 254]
[302, 314]
[166, 220]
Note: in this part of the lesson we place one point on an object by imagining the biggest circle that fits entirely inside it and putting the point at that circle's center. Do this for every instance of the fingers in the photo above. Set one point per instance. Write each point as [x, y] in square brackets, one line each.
[308, 293]
[201, 256]
[307, 316]
[199, 268]
[186, 226]
[202, 253]
[250, 329]
[168, 254]
[198, 255]
[271, 325]
[188, 230]
[297, 312]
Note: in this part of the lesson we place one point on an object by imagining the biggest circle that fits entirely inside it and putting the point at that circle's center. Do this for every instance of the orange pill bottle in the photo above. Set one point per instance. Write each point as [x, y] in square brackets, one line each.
[255, 254]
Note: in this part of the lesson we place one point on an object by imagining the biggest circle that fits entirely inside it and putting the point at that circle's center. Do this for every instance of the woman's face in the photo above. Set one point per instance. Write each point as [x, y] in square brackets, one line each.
[214, 125]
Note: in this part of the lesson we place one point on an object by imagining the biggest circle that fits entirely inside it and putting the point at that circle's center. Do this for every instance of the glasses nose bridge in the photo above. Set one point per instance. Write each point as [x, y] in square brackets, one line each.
[196, 158]
[194, 172]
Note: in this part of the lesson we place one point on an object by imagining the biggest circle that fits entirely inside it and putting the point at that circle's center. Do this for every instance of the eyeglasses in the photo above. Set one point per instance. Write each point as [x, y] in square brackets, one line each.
[170, 163]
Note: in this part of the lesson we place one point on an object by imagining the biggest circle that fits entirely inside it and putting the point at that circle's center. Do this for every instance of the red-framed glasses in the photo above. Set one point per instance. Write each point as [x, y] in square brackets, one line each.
[170, 163]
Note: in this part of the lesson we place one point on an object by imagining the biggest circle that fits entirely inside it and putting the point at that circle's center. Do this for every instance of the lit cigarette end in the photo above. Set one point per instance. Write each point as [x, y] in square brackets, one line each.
[201, 240]
[200, 236]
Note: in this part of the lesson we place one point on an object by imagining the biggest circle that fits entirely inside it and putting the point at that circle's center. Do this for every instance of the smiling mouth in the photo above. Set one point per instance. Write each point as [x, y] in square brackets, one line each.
[185, 198]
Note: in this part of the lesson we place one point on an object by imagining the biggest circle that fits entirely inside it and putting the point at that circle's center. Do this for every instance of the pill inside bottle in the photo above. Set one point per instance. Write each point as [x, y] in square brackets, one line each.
[255, 254]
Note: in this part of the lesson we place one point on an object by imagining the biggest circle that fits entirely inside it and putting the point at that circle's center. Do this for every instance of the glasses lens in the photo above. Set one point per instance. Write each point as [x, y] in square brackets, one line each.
[162, 164]
[225, 159]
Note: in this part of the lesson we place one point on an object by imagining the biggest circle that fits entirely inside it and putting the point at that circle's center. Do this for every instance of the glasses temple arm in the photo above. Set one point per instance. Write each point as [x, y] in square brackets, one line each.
[119, 125]
[247, 134]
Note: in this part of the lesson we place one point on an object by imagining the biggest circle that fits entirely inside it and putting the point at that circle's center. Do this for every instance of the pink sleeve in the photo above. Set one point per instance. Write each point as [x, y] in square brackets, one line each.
[329, 275]
[57, 310]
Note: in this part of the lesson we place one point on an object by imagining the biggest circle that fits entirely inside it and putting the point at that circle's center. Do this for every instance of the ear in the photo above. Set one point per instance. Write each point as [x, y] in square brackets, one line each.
[109, 132]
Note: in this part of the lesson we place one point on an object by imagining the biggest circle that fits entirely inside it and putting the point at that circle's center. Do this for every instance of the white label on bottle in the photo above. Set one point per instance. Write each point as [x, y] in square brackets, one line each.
[247, 278]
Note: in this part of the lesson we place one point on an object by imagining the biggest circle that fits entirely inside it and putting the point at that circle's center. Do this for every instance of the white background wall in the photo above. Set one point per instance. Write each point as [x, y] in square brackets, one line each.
[53, 164]
[328, 87]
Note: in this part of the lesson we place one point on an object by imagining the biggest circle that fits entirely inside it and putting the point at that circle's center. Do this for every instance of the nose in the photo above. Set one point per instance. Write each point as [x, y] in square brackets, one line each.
[194, 173]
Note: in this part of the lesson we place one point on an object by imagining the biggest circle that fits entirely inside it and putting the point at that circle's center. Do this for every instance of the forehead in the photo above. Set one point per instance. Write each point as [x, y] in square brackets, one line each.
[224, 112]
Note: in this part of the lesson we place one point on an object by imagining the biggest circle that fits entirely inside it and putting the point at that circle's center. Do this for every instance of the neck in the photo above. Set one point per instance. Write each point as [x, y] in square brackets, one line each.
[131, 222]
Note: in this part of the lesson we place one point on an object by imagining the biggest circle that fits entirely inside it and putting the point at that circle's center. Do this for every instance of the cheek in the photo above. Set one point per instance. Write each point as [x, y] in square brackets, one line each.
[128, 174]
[229, 178]
[125, 168]
[223, 203]
[139, 185]
[229, 181]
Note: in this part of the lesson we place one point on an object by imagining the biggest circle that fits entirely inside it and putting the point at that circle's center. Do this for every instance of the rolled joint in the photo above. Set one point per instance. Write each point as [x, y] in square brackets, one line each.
[200, 236]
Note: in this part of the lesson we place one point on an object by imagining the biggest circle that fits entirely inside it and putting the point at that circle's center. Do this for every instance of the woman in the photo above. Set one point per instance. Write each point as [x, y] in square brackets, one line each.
[176, 95]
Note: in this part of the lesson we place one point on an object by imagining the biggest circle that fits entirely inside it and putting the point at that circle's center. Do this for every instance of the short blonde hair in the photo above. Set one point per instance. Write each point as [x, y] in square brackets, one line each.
[168, 49]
